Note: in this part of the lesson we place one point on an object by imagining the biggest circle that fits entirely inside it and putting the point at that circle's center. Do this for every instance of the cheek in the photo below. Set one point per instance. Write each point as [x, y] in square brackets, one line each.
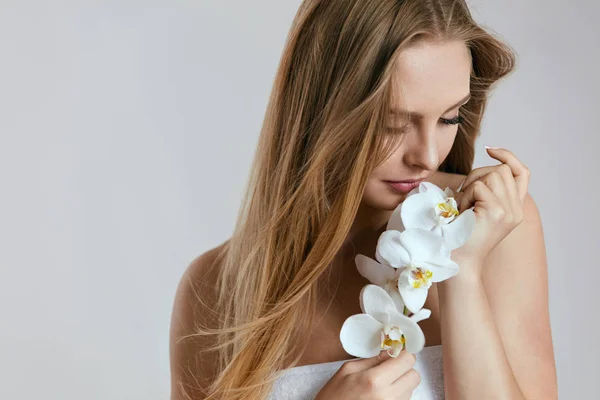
[446, 145]
[380, 196]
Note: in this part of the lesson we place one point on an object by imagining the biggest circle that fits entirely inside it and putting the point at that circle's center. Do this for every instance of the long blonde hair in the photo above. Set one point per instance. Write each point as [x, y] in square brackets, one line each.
[322, 135]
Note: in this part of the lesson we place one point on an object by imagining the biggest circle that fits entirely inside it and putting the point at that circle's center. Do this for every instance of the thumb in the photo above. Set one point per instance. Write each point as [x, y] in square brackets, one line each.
[368, 363]
[467, 199]
[460, 199]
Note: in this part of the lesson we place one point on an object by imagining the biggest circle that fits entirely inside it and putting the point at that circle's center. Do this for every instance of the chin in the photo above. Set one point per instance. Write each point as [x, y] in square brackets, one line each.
[383, 199]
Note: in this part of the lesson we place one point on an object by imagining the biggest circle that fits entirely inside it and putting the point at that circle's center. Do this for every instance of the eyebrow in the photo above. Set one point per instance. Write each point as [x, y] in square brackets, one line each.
[419, 115]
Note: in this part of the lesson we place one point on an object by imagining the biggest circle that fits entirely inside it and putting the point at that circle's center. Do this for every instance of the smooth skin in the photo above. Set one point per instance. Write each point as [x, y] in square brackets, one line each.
[492, 318]
[478, 339]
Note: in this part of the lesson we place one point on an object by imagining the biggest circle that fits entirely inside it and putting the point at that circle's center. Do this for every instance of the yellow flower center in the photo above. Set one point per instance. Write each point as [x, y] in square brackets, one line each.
[391, 342]
[447, 209]
[396, 345]
[421, 277]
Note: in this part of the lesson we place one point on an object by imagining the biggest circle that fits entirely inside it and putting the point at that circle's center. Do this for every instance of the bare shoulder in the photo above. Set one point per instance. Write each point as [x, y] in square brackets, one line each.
[192, 368]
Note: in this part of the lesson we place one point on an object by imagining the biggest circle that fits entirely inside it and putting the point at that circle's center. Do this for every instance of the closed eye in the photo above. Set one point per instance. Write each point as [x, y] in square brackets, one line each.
[454, 121]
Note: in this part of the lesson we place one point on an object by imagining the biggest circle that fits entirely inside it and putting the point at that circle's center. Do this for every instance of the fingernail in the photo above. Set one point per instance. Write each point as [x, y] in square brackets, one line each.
[491, 148]
[384, 354]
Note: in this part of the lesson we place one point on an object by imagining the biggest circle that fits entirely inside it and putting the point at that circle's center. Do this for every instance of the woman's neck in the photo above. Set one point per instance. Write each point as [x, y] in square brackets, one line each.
[369, 222]
[368, 225]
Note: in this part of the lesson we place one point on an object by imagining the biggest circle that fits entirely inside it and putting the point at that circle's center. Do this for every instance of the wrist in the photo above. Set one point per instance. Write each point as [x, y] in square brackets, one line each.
[458, 291]
[469, 268]
[468, 277]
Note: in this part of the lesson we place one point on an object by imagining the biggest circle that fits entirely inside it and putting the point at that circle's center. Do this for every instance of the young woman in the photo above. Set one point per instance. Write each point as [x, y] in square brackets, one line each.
[370, 97]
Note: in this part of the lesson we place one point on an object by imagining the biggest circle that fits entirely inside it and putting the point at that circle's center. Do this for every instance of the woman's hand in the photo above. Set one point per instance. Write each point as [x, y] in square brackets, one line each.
[497, 194]
[376, 378]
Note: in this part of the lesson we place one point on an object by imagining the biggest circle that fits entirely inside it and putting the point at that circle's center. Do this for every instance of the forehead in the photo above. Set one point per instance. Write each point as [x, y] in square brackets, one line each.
[430, 77]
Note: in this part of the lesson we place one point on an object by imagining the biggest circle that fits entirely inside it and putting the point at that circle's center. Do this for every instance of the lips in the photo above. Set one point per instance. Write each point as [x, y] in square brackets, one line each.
[404, 186]
[408, 180]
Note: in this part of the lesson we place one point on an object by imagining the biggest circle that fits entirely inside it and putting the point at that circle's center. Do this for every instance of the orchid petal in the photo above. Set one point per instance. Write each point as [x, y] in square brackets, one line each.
[418, 211]
[458, 232]
[441, 272]
[423, 186]
[414, 298]
[422, 245]
[430, 187]
[375, 301]
[395, 335]
[415, 339]
[417, 190]
[390, 251]
[448, 192]
[397, 299]
[438, 230]
[375, 272]
[395, 221]
[361, 336]
[422, 314]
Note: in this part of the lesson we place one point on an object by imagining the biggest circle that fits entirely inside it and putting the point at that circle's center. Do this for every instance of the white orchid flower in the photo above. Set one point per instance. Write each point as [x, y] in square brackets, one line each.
[387, 278]
[422, 314]
[423, 259]
[381, 275]
[380, 327]
[431, 208]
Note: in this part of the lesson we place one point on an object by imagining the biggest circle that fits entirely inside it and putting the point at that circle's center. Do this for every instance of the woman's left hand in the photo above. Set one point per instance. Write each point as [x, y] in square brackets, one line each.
[497, 194]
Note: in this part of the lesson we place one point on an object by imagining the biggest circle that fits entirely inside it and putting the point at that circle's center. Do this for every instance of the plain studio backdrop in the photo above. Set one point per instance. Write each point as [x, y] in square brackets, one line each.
[128, 128]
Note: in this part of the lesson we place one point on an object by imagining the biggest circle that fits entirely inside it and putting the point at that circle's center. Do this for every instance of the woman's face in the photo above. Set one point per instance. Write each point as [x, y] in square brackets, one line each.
[433, 80]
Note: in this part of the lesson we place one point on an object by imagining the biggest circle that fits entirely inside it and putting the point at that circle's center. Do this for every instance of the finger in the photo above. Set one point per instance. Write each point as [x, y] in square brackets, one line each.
[394, 367]
[363, 364]
[495, 182]
[466, 199]
[511, 187]
[508, 194]
[406, 384]
[519, 171]
[478, 195]
[476, 175]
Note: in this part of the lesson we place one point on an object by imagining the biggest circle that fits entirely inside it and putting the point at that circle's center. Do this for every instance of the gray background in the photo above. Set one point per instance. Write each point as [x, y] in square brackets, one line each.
[128, 128]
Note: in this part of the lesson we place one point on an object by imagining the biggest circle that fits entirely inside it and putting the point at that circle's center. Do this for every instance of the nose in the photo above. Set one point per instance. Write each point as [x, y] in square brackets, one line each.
[422, 151]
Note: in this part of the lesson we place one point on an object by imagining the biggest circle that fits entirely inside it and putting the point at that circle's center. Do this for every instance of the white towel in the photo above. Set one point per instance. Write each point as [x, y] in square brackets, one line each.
[304, 382]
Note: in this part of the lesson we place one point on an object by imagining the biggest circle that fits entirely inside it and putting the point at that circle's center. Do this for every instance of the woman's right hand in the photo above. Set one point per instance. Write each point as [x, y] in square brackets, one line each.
[376, 378]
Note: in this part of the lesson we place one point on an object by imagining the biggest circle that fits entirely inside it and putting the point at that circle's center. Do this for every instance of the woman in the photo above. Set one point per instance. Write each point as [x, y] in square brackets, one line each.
[368, 93]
